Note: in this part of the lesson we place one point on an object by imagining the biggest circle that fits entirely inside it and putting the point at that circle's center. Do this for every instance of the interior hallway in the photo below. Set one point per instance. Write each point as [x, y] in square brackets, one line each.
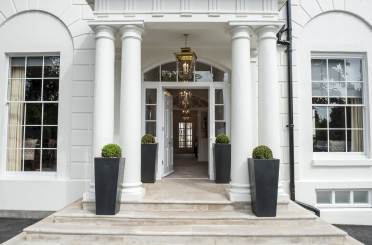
[187, 167]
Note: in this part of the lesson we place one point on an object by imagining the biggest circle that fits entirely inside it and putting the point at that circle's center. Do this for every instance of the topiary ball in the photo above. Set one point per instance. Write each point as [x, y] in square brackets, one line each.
[262, 152]
[148, 139]
[222, 139]
[111, 151]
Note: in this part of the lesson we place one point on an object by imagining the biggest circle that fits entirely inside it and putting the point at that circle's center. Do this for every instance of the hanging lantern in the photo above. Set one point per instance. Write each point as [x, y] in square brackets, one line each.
[186, 60]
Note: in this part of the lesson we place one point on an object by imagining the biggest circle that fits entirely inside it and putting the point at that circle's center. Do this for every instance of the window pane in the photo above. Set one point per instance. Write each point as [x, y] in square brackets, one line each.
[337, 89]
[34, 67]
[354, 115]
[320, 89]
[14, 160]
[354, 70]
[33, 90]
[16, 90]
[319, 100]
[17, 69]
[50, 137]
[318, 70]
[324, 197]
[152, 75]
[151, 128]
[16, 114]
[361, 197]
[32, 160]
[203, 73]
[320, 141]
[320, 117]
[219, 96]
[151, 112]
[15, 137]
[337, 101]
[219, 112]
[33, 114]
[169, 72]
[218, 75]
[51, 66]
[337, 140]
[49, 160]
[220, 128]
[32, 136]
[355, 141]
[336, 117]
[50, 92]
[50, 114]
[150, 96]
[336, 70]
[342, 196]
[355, 90]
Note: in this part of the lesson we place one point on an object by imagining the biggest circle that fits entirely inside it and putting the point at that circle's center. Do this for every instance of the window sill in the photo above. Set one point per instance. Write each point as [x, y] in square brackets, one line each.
[341, 160]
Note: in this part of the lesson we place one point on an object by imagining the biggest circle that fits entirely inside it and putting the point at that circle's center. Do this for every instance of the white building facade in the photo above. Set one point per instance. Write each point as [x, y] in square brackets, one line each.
[76, 75]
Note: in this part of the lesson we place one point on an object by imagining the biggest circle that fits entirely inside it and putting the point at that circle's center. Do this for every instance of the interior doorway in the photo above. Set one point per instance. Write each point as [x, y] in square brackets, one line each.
[186, 133]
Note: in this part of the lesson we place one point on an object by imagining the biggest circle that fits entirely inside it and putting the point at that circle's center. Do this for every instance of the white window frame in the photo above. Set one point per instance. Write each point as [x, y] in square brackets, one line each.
[28, 174]
[346, 158]
[351, 204]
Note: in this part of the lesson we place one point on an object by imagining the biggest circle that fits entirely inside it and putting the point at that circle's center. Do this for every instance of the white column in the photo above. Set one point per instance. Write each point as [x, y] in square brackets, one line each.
[104, 87]
[241, 113]
[269, 125]
[130, 111]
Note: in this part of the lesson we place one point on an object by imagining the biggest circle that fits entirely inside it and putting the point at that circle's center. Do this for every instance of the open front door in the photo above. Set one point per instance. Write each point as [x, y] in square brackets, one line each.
[168, 135]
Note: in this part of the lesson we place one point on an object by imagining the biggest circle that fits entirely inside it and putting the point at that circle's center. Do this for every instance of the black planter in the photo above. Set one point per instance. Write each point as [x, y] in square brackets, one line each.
[222, 163]
[108, 174]
[148, 162]
[263, 178]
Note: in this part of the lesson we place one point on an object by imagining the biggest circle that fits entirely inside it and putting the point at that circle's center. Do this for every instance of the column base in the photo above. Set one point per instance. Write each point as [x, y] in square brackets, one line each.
[240, 193]
[132, 192]
[90, 194]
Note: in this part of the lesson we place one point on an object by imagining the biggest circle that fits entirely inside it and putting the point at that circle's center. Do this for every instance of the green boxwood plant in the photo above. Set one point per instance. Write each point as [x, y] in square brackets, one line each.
[222, 139]
[262, 152]
[111, 151]
[148, 139]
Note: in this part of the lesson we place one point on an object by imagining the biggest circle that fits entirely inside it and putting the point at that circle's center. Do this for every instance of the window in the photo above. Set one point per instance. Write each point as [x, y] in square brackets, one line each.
[168, 72]
[150, 107]
[343, 197]
[338, 104]
[184, 135]
[33, 113]
[219, 112]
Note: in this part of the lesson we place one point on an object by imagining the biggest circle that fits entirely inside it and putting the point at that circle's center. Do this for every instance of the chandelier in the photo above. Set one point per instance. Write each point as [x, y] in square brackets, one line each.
[186, 60]
[185, 104]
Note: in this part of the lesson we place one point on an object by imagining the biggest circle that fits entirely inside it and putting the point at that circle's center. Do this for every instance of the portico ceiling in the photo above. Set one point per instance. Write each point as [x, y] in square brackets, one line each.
[203, 35]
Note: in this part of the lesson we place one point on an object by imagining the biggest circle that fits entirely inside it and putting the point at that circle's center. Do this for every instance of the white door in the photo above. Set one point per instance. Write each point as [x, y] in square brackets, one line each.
[168, 135]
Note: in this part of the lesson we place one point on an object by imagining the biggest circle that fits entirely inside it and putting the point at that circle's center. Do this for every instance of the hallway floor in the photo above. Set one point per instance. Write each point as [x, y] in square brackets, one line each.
[187, 167]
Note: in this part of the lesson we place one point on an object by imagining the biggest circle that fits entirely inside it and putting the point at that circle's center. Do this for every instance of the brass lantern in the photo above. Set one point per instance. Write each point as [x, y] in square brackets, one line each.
[186, 60]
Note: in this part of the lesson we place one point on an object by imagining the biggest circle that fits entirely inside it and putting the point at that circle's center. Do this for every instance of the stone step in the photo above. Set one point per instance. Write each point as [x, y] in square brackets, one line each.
[74, 214]
[312, 233]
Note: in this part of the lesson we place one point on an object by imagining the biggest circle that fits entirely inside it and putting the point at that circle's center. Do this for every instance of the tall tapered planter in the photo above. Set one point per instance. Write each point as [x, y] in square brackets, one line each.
[108, 174]
[148, 162]
[222, 161]
[263, 177]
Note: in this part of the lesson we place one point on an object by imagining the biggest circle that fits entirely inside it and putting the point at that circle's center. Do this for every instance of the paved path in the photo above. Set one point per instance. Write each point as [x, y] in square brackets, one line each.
[361, 233]
[12, 227]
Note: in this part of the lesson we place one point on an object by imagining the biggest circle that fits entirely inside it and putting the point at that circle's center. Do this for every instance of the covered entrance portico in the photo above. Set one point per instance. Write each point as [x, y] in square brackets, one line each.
[228, 45]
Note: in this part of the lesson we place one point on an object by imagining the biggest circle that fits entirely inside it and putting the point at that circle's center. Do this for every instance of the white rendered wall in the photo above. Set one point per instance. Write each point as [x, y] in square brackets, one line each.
[343, 26]
[51, 26]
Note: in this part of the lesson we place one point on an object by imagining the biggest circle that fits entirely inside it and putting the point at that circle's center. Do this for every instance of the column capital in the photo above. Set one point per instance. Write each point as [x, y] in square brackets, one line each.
[240, 31]
[103, 31]
[267, 32]
[131, 31]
